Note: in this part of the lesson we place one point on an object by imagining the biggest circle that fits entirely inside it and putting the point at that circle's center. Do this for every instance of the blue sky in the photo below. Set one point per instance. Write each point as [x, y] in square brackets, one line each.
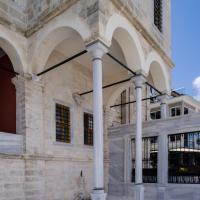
[186, 44]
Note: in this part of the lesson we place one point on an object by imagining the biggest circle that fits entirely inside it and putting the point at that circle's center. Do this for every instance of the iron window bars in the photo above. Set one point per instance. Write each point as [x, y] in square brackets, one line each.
[88, 129]
[158, 14]
[63, 123]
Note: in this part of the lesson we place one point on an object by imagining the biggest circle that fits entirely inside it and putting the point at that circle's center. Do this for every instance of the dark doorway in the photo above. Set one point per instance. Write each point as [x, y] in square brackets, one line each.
[7, 95]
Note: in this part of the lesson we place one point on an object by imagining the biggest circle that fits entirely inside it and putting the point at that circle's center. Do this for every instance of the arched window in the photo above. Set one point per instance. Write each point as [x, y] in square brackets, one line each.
[7, 95]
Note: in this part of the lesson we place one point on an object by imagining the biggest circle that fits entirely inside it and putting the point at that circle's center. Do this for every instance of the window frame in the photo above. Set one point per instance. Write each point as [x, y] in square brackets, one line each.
[83, 120]
[71, 122]
[175, 107]
[155, 113]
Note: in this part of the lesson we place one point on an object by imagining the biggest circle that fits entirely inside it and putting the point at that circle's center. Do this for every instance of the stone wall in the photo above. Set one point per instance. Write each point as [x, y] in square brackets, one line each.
[24, 177]
[12, 13]
[11, 144]
[27, 16]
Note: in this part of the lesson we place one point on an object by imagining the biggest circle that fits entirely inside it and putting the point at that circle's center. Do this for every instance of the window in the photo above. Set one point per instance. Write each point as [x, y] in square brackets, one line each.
[88, 129]
[175, 111]
[63, 129]
[153, 140]
[186, 111]
[156, 115]
[158, 14]
[123, 107]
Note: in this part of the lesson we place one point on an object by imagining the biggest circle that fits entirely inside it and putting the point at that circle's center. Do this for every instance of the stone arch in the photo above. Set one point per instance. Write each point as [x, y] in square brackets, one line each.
[159, 72]
[52, 35]
[126, 35]
[11, 50]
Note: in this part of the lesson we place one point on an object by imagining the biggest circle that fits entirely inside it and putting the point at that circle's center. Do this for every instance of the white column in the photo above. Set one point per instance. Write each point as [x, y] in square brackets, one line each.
[139, 190]
[97, 50]
[162, 169]
[162, 159]
[162, 165]
[163, 106]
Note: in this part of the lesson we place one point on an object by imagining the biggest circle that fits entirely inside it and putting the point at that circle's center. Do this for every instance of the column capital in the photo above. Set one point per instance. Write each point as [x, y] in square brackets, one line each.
[20, 80]
[97, 49]
[139, 80]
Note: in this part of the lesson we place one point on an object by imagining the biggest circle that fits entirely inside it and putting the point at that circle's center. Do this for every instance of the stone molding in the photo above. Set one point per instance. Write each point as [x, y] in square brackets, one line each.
[170, 125]
[78, 98]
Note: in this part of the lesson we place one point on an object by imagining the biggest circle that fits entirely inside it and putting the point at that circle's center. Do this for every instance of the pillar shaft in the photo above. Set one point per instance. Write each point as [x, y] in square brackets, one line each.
[162, 159]
[162, 170]
[138, 81]
[98, 123]
[164, 107]
[163, 110]
[138, 138]
[138, 189]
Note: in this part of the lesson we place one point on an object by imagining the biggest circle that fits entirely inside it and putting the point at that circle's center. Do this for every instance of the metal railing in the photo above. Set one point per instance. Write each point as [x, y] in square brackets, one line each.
[184, 158]
[149, 159]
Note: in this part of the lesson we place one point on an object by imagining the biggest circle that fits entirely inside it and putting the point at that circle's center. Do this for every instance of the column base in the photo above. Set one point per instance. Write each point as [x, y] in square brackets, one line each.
[161, 192]
[98, 195]
[138, 192]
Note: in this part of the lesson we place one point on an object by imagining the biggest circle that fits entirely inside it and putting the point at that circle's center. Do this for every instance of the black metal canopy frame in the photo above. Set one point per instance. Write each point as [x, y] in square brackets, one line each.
[62, 62]
[130, 102]
[109, 85]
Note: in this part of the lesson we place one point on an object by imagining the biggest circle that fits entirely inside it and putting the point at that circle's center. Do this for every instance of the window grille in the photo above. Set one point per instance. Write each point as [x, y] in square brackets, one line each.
[63, 123]
[184, 158]
[149, 159]
[88, 129]
[158, 14]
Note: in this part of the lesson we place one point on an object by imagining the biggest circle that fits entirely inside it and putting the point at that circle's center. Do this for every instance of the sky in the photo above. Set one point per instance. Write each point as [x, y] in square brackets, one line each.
[186, 45]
